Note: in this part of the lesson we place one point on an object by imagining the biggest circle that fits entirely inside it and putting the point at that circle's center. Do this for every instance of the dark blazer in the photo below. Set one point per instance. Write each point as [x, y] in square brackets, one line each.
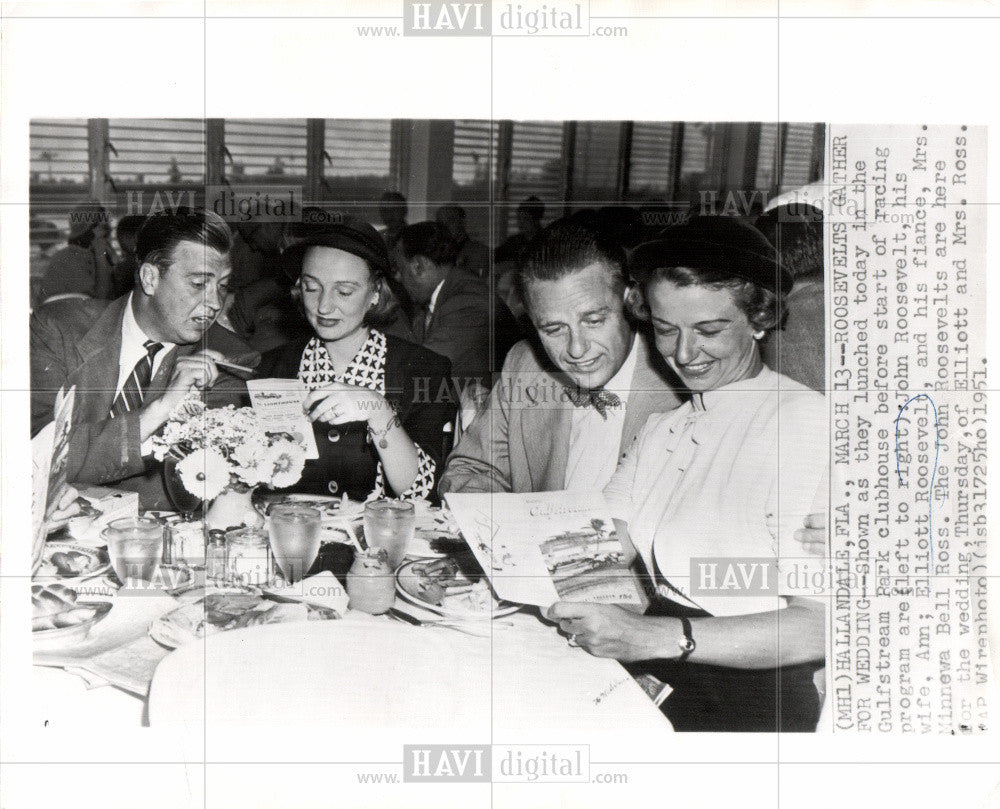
[417, 385]
[460, 329]
[78, 342]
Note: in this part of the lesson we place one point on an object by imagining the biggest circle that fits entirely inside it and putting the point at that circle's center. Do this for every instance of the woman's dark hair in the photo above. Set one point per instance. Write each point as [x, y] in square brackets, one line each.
[162, 232]
[763, 308]
[431, 240]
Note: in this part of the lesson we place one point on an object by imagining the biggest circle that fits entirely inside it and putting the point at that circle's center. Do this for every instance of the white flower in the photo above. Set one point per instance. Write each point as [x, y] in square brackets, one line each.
[204, 473]
[284, 462]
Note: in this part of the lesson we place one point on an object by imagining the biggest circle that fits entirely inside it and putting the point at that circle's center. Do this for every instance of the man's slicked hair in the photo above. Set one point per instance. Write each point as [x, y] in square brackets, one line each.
[162, 232]
[566, 247]
[431, 240]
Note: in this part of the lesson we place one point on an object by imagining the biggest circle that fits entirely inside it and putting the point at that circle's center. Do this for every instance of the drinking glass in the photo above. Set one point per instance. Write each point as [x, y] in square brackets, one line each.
[185, 544]
[390, 524]
[294, 531]
[135, 545]
[249, 561]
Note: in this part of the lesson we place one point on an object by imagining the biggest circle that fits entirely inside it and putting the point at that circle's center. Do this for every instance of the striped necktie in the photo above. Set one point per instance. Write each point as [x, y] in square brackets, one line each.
[130, 396]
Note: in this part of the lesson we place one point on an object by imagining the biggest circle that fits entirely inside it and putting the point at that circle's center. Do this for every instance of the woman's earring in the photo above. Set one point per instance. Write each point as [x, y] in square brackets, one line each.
[757, 335]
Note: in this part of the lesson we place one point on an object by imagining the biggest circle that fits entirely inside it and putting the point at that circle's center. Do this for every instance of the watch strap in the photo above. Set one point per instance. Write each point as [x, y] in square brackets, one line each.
[686, 644]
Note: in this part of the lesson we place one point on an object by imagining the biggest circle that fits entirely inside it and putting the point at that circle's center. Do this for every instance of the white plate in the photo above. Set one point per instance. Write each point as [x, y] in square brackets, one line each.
[330, 508]
[434, 544]
[500, 608]
[171, 633]
[97, 562]
[66, 635]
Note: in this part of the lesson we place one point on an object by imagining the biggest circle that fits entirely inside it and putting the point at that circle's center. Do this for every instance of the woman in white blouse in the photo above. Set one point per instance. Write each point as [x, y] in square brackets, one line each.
[723, 479]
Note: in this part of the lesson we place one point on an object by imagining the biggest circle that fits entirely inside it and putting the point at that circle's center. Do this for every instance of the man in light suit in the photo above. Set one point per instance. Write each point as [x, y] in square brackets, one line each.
[134, 359]
[561, 417]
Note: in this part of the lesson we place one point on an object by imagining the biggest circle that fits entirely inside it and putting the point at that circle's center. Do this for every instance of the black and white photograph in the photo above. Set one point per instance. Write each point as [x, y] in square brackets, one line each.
[617, 270]
[396, 442]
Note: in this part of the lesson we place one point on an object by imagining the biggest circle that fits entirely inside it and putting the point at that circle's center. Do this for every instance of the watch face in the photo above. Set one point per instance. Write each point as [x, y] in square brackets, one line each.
[686, 645]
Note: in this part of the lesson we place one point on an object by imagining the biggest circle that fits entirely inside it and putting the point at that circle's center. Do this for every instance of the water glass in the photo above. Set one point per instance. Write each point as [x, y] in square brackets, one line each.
[135, 545]
[390, 524]
[294, 530]
[185, 544]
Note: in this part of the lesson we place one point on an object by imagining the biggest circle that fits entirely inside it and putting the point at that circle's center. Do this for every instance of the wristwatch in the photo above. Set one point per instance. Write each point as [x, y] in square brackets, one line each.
[686, 643]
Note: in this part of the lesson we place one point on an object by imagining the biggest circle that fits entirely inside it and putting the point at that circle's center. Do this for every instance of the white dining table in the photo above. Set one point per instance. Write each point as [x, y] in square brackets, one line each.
[506, 676]
[369, 671]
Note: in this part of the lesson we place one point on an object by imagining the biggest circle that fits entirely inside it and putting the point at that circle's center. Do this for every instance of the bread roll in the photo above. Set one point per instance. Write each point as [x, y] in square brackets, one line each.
[73, 617]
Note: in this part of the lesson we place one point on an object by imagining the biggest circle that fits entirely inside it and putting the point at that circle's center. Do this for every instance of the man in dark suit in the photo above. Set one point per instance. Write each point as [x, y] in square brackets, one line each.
[562, 413]
[134, 359]
[452, 311]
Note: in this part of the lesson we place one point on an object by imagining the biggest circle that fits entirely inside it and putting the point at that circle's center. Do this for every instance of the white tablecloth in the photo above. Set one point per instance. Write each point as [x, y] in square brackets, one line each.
[370, 672]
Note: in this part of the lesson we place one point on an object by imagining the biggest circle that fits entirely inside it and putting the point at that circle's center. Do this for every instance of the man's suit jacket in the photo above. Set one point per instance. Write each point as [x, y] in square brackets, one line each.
[520, 441]
[78, 342]
[460, 329]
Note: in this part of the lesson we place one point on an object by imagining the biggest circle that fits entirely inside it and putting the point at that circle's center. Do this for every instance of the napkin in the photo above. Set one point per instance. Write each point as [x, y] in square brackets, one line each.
[322, 590]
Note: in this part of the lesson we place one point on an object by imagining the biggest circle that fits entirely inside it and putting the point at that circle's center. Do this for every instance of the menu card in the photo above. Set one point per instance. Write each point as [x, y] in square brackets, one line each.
[279, 403]
[541, 547]
[49, 453]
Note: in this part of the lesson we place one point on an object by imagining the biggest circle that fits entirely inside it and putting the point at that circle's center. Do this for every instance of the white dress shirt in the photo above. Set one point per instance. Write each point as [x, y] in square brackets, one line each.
[429, 314]
[593, 440]
[134, 348]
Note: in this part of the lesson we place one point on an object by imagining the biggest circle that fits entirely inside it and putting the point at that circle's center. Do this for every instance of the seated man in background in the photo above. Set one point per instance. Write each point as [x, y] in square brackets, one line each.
[392, 210]
[85, 265]
[797, 349]
[126, 232]
[134, 359]
[453, 314]
[562, 417]
[473, 257]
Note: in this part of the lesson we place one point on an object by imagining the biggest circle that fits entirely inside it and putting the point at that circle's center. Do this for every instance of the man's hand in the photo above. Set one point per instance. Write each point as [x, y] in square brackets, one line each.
[813, 535]
[607, 630]
[194, 372]
[65, 506]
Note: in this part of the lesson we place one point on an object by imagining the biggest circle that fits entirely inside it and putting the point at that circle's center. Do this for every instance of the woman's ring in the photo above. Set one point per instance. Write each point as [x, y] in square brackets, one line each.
[572, 640]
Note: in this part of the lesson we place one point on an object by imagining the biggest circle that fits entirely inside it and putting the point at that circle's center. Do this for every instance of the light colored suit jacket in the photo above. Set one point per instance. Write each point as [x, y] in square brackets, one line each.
[78, 342]
[520, 441]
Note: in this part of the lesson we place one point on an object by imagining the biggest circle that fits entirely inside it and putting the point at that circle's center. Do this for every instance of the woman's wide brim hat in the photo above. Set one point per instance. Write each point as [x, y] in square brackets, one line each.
[348, 233]
[721, 244]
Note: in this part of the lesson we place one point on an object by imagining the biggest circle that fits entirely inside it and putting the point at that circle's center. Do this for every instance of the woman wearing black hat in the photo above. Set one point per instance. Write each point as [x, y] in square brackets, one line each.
[379, 404]
[718, 482]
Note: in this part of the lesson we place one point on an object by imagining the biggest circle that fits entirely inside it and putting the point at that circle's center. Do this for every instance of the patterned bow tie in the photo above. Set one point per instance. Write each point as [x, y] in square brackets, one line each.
[599, 399]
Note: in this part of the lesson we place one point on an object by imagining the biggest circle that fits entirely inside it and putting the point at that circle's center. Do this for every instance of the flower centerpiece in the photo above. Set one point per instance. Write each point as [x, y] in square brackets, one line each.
[222, 454]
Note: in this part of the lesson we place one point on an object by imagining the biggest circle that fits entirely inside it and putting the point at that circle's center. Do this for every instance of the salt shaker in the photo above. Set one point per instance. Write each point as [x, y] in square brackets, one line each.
[215, 557]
